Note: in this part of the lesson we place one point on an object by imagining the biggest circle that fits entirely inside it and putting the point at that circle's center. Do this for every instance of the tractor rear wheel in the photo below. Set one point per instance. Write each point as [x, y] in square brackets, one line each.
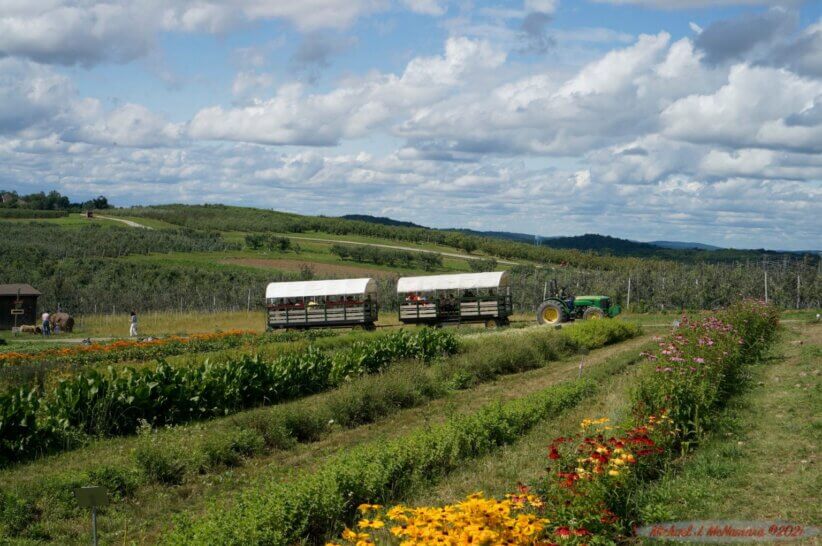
[593, 313]
[551, 312]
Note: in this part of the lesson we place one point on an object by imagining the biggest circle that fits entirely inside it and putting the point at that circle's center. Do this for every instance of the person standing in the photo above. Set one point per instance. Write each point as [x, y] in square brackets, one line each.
[46, 324]
[132, 332]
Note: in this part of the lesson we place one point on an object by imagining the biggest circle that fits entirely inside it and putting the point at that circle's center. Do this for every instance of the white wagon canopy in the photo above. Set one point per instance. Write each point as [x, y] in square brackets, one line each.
[321, 304]
[462, 297]
[313, 289]
[460, 281]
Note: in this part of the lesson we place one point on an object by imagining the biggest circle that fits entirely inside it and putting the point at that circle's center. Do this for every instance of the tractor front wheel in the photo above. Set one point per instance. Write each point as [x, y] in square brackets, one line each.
[551, 312]
[593, 313]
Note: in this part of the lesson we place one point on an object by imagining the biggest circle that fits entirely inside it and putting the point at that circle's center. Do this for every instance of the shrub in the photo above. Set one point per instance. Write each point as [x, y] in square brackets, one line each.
[228, 447]
[159, 463]
[119, 482]
[16, 514]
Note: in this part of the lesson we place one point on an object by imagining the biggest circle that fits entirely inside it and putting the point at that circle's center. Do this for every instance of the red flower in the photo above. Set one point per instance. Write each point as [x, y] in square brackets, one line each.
[563, 532]
[582, 532]
[554, 454]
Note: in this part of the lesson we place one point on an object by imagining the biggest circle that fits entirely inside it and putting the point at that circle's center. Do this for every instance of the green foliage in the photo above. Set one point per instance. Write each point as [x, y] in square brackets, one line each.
[30, 213]
[483, 265]
[701, 364]
[157, 462]
[688, 279]
[114, 401]
[387, 256]
[315, 504]
[598, 333]
[15, 514]
[259, 241]
[228, 447]
[52, 201]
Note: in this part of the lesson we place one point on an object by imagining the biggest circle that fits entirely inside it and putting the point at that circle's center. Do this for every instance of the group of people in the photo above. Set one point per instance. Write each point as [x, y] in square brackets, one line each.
[48, 328]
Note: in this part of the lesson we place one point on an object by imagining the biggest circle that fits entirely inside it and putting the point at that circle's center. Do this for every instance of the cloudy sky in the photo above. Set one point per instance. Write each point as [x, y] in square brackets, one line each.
[646, 119]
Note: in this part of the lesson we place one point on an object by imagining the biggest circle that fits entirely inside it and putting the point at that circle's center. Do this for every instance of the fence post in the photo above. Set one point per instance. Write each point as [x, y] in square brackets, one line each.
[797, 291]
[766, 286]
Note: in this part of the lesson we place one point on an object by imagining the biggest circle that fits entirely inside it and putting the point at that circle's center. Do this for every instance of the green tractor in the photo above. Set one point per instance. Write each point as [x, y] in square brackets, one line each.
[561, 308]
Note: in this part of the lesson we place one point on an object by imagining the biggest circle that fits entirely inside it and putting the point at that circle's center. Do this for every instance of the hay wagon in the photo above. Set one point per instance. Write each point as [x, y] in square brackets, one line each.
[322, 304]
[460, 298]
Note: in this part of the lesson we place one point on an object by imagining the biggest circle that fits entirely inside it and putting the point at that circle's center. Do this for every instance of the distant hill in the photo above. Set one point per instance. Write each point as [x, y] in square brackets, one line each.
[679, 245]
[382, 220]
[610, 246]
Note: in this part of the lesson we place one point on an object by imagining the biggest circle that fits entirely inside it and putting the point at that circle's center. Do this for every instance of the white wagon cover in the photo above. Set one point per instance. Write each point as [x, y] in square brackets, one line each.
[339, 287]
[463, 281]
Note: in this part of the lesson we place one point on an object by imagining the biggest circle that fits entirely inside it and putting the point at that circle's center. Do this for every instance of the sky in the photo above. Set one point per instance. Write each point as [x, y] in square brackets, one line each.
[684, 120]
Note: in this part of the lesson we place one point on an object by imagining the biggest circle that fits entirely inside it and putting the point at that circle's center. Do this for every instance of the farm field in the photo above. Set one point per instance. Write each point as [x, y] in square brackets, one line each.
[201, 471]
[206, 484]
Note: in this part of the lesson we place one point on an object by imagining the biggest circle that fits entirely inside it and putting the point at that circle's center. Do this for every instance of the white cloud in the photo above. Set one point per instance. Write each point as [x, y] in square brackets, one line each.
[88, 32]
[294, 117]
[750, 110]
[541, 6]
[39, 104]
[426, 7]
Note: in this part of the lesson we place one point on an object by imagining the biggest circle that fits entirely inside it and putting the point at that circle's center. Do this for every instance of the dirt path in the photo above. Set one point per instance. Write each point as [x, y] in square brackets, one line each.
[130, 223]
[398, 247]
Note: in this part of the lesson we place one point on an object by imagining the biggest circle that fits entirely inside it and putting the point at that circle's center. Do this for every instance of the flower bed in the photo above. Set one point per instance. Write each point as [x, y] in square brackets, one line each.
[586, 496]
[114, 401]
[126, 349]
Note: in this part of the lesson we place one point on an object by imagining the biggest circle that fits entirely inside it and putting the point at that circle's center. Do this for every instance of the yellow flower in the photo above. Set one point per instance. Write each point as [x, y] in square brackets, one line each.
[613, 472]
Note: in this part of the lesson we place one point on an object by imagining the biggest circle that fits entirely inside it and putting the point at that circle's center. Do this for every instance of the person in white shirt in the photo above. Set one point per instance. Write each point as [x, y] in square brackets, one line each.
[132, 332]
[46, 324]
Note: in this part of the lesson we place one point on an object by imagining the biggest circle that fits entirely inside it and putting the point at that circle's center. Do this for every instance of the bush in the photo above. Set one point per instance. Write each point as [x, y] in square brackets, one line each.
[228, 447]
[158, 463]
[16, 514]
[119, 482]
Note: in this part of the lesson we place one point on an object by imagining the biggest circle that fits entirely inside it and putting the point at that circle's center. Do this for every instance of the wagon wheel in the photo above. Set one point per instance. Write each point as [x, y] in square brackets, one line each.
[593, 313]
[491, 323]
[551, 312]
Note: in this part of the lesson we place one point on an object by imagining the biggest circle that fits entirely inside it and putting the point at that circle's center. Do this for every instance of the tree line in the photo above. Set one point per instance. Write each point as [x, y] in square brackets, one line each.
[52, 200]
[429, 261]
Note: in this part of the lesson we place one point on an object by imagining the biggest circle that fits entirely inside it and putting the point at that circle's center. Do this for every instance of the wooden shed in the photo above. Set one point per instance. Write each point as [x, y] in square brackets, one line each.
[17, 301]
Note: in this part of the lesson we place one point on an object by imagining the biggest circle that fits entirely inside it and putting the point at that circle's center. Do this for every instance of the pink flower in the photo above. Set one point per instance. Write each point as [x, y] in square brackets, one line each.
[699, 360]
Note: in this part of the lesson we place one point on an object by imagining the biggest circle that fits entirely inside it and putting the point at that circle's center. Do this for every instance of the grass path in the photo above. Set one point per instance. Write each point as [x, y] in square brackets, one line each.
[146, 515]
[763, 464]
